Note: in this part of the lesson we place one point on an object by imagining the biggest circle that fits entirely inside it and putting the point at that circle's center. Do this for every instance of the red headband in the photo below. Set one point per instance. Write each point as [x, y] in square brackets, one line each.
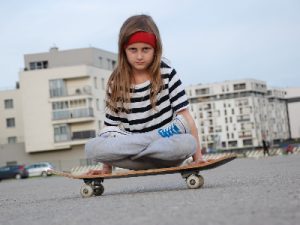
[142, 36]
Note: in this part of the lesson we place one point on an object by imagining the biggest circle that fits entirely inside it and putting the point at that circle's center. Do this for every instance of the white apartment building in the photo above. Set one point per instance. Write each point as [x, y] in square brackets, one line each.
[11, 122]
[238, 114]
[59, 105]
[293, 101]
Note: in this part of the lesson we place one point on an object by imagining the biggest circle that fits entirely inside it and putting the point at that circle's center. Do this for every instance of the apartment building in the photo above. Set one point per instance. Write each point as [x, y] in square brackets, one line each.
[293, 104]
[238, 114]
[60, 103]
[11, 123]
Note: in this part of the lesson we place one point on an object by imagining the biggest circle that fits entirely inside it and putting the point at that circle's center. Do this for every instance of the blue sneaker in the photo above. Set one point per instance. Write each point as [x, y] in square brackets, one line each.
[178, 126]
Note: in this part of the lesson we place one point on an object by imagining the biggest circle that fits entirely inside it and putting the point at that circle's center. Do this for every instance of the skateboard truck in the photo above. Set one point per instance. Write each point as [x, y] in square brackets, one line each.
[193, 179]
[92, 187]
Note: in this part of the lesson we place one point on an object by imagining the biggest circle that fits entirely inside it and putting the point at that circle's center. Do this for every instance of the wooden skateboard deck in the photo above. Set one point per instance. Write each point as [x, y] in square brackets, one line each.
[93, 183]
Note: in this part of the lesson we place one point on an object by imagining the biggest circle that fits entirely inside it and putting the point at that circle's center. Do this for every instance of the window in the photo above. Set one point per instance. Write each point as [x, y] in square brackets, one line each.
[60, 105]
[103, 83]
[247, 142]
[99, 124]
[12, 140]
[113, 63]
[95, 83]
[61, 133]
[8, 104]
[98, 104]
[100, 61]
[38, 65]
[57, 88]
[202, 91]
[241, 86]
[232, 143]
[223, 144]
[10, 122]
[109, 64]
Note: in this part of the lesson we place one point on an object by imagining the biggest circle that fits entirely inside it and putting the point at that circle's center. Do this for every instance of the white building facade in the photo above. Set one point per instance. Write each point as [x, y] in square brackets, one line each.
[238, 114]
[59, 105]
[293, 102]
[11, 122]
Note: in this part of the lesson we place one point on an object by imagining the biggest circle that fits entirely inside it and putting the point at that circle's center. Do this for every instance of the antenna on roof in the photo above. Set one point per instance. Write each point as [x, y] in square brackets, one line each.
[54, 48]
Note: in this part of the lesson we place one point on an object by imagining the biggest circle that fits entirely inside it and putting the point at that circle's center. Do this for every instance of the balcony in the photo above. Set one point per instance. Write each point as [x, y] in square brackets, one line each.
[244, 118]
[72, 91]
[247, 135]
[75, 138]
[83, 134]
[76, 114]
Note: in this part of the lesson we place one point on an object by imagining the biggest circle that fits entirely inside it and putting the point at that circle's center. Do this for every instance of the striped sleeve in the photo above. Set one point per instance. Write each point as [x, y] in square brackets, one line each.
[177, 93]
[111, 118]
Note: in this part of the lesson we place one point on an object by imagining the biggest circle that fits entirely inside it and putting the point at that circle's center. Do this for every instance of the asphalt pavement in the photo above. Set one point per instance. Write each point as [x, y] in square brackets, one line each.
[244, 191]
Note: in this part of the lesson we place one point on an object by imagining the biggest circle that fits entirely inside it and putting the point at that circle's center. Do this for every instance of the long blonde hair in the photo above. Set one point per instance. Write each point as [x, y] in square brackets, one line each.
[119, 83]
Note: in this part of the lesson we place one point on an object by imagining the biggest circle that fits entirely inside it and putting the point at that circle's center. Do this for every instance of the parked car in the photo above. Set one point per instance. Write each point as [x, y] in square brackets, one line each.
[15, 171]
[40, 169]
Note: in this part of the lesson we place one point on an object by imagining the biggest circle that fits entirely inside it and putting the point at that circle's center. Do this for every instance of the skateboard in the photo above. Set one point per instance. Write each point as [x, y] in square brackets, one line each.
[93, 183]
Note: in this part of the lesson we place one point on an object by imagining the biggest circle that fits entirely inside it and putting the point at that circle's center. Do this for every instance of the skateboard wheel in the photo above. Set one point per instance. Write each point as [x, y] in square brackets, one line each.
[86, 191]
[195, 181]
[98, 190]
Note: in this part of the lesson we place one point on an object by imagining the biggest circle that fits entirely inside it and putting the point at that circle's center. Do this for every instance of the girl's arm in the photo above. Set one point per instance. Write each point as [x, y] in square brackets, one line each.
[197, 157]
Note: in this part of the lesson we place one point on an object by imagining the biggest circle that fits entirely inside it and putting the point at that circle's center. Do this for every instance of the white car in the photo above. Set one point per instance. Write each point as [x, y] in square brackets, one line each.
[40, 169]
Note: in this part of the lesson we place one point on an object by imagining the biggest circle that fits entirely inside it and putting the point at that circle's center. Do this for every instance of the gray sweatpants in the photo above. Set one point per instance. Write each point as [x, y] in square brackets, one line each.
[141, 150]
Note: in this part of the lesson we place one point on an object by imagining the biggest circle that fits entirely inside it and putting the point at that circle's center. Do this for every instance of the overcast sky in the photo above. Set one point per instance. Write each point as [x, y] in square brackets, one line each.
[206, 41]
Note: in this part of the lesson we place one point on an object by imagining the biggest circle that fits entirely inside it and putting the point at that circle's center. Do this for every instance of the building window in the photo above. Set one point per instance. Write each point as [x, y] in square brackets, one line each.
[113, 63]
[57, 88]
[103, 83]
[12, 140]
[95, 82]
[247, 142]
[241, 86]
[38, 65]
[202, 91]
[99, 124]
[8, 104]
[61, 133]
[223, 144]
[109, 64]
[100, 61]
[60, 105]
[98, 104]
[232, 143]
[10, 122]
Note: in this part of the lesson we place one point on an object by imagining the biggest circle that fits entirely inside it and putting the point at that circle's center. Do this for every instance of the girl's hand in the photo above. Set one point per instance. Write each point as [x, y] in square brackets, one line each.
[107, 169]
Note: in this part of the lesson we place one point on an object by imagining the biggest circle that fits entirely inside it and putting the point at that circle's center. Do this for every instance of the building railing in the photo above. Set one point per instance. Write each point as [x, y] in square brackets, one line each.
[83, 134]
[72, 91]
[78, 135]
[74, 113]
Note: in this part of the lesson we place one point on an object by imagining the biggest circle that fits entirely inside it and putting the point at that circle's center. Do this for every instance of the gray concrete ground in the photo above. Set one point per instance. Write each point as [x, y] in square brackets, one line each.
[244, 191]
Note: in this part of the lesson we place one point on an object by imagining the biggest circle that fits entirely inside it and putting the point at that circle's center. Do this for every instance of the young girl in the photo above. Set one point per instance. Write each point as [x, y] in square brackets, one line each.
[148, 124]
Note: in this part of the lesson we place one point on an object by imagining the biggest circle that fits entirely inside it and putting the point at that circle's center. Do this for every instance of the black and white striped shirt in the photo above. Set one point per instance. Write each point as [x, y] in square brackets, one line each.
[140, 116]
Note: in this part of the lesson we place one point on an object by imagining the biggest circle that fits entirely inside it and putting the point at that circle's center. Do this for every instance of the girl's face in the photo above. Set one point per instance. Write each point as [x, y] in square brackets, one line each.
[140, 56]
